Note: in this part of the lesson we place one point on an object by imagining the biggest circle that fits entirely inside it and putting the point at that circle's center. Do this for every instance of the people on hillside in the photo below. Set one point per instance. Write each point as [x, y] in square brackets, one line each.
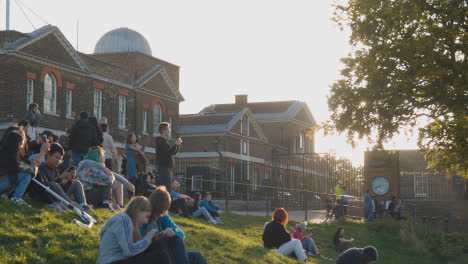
[369, 206]
[33, 116]
[170, 233]
[339, 199]
[198, 211]
[97, 179]
[212, 208]
[339, 242]
[399, 210]
[164, 154]
[276, 237]
[93, 122]
[109, 146]
[16, 170]
[307, 241]
[122, 243]
[391, 206]
[130, 151]
[64, 141]
[64, 184]
[358, 256]
[82, 137]
[179, 201]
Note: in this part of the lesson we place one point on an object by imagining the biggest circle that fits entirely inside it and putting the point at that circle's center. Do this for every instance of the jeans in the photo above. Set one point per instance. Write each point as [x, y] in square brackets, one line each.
[67, 189]
[370, 216]
[293, 246]
[77, 157]
[204, 212]
[21, 184]
[177, 247]
[165, 177]
[310, 246]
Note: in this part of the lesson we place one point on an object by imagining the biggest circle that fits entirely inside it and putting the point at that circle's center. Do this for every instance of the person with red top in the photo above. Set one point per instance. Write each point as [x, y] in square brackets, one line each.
[307, 242]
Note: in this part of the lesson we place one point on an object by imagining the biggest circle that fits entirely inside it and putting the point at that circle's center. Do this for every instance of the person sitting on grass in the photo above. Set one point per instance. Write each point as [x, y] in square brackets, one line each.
[121, 241]
[198, 211]
[179, 201]
[276, 236]
[97, 179]
[212, 208]
[64, 184]
[358, 256]
[339, 242]
[169, 232]
[15, 169]
[307, 241]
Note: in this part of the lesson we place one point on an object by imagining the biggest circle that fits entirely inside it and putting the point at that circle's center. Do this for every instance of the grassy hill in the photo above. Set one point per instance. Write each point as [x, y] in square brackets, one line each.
[39, 236]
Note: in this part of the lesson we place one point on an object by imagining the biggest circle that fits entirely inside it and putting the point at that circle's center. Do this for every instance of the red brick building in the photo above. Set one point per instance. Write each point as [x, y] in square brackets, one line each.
[120, 81]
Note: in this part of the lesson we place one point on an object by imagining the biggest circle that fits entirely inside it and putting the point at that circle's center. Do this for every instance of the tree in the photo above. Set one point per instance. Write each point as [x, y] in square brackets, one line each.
[408, 69]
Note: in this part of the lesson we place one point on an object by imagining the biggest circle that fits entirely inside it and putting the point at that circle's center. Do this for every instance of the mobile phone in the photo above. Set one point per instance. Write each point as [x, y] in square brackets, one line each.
[44, 137]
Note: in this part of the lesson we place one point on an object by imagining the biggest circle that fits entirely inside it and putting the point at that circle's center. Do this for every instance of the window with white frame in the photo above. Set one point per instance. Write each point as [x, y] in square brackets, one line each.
[122, 111]
[97, 103]
[170, 123]
[420, 184]
[302, 142]
[30, 93]
[245, 129]
[50, 94]
[245, 147]
[157, 118]
[68, 103]
[145, 121]
[294, 145]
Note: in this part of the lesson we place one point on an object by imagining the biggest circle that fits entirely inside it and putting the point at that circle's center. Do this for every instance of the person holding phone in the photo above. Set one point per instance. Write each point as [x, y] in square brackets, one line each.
[122, 243]
[165, 153]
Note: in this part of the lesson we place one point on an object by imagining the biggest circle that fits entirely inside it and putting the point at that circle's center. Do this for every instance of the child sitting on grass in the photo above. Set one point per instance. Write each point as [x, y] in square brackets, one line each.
[307, 241]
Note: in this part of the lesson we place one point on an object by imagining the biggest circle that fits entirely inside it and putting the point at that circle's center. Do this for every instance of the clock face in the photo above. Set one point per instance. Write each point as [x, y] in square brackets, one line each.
[380, 186]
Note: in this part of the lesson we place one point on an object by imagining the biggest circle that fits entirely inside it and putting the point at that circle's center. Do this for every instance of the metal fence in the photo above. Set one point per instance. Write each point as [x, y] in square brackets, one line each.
[303, 181]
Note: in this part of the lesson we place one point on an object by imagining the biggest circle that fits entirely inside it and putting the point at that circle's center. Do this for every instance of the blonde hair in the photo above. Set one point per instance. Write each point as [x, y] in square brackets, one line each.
[136, 205]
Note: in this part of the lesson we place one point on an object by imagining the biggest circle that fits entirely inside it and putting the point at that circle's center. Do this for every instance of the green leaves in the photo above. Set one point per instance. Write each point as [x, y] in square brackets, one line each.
[409, 65]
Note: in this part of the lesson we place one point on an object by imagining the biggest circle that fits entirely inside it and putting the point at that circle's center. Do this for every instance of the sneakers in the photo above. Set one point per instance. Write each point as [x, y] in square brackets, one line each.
[19, 201]
[5, 196]
[55, 206]
[85, 207]
[212, 221]
[310, 253]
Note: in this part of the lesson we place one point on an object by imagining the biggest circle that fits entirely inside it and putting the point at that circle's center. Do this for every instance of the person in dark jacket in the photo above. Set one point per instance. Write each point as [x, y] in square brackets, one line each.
[276, 236]
[165, 153]
[33, 116]
[99, 134]
[82, 137]
[358, 256]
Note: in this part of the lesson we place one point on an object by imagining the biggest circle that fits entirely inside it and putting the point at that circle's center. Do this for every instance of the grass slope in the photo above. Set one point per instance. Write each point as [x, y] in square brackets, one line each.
[39, 236]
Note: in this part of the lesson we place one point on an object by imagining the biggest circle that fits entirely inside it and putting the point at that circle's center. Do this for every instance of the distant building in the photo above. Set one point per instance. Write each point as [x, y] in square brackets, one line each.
[121, 81]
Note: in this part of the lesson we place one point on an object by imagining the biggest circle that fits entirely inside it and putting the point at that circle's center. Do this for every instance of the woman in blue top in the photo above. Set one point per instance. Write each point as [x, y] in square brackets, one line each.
[212, 208]
[130, 150]
[167, 230]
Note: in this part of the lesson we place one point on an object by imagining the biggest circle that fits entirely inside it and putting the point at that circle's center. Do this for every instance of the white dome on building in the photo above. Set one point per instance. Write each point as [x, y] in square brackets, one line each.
[122, 40]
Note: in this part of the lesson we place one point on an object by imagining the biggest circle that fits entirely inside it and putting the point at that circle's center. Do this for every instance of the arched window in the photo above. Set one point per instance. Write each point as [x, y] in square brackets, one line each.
[50, 94]
[157, 118]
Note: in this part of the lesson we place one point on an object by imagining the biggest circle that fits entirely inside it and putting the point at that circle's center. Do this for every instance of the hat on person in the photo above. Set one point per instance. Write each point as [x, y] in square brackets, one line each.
[302, 225]
[340, 182]
[370, 253]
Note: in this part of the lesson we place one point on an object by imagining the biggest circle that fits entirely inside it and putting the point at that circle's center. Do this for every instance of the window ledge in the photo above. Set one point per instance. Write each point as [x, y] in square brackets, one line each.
[50, 113]
[70, 117]
[145, 133]
[123, 128]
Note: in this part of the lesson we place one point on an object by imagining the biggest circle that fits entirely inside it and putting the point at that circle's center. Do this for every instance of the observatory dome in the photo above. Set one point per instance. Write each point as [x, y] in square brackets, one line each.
[122, 40]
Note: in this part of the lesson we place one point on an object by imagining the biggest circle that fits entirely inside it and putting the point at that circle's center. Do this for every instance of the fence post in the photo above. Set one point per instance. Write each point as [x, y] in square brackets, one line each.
[305, 206]
[247, 202]
[414, 214]
[226, 197]
[266, 201]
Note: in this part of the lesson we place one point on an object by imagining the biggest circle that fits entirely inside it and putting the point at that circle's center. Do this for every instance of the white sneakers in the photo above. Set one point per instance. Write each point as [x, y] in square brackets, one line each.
[19, 201]
[212, 221]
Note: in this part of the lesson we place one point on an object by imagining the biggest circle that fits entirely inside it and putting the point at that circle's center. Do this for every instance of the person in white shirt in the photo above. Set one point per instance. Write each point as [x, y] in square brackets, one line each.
[111, 158]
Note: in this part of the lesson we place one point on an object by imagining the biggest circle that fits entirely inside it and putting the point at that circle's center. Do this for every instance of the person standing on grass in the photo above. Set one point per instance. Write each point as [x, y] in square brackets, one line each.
[358, 256]
[275, 236]
[82, 137]
[33, 116]
[339, 199]
[93, 122]
[169, 232]
[109, 145]
[341, 244]
[130, 150]
[165, 153]
[369, 206]
[122, 243]
[212, 208]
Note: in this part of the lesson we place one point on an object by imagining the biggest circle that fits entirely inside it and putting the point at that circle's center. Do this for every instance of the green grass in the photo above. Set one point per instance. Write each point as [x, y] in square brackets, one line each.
[39, 236]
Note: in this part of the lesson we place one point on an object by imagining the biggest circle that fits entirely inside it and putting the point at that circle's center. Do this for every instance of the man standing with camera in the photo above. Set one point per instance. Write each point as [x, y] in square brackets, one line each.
[165, 153]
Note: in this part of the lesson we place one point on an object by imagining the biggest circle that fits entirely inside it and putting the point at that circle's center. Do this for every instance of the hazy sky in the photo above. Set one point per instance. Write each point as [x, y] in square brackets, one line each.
[270, 50]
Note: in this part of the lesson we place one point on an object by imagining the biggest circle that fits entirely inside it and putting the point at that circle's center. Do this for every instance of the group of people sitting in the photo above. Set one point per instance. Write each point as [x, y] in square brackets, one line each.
[300, 246]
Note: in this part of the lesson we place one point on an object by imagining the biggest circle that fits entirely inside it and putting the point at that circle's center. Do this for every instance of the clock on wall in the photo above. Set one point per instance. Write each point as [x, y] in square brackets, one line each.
[380, 186]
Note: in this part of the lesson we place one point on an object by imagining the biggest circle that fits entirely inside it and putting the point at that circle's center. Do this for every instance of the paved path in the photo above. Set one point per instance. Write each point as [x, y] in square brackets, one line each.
[313, 216]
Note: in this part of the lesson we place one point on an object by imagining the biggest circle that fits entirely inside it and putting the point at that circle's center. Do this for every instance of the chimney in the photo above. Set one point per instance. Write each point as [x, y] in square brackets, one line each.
[241, 99]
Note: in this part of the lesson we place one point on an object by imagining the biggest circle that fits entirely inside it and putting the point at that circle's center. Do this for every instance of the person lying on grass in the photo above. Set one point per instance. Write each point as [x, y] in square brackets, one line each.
[64, 184]
[198, 211]
[358, 256]
[121, 241]
[97, 179]
[169, 232]
[276, 236]
[341, 244]
[212, 208]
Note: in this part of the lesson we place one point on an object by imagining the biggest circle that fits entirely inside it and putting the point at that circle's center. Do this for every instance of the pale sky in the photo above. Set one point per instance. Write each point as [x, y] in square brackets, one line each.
[271, 50]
